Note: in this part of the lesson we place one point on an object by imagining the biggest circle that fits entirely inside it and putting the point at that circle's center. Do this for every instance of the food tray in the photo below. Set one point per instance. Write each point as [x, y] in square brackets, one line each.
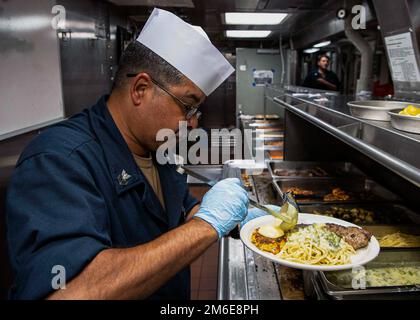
[269, 136]
[404, 122]
[338, 284]
[278, 146]
[365, 190]
[267, 116]
[269, 129]
[329, 169]
[376, 109]
[270, 148]
[258, 124]
[274, 154]
[410, 230]
[381, 213]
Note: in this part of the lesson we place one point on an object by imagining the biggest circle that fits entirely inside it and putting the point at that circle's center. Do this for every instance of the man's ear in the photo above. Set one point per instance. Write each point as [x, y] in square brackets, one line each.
[138, 88]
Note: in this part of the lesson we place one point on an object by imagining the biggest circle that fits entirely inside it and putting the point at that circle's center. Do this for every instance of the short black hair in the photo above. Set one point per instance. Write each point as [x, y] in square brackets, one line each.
[138, 58]
[323, 56]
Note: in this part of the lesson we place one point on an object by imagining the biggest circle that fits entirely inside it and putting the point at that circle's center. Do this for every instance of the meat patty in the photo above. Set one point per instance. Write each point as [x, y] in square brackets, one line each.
[356, 237]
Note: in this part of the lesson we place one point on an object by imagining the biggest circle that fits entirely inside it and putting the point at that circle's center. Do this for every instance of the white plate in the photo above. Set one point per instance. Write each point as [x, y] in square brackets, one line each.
[361, 257]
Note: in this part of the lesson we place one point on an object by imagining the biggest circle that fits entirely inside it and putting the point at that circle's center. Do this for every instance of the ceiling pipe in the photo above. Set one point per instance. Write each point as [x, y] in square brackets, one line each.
[364, 83]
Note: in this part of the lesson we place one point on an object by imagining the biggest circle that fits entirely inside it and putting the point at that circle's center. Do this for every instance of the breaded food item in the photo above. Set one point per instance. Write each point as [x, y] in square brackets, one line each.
[299, 192]
[263, 243]
[337, 194]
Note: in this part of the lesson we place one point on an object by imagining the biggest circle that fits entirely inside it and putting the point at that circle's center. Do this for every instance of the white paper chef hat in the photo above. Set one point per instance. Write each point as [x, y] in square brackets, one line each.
[187, 48]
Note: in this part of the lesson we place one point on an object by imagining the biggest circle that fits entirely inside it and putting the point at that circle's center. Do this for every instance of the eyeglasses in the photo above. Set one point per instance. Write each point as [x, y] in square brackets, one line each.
[189, 110]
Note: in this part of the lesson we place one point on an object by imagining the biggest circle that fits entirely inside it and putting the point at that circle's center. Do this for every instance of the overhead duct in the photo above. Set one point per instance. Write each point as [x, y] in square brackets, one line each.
[365, 80]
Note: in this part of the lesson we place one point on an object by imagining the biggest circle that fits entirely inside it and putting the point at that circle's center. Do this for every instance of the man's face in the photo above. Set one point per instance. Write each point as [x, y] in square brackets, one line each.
[323, 63]
[159, 110]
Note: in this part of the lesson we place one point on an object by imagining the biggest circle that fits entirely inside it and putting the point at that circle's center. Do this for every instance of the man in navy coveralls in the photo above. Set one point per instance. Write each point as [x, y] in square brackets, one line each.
[89, 199]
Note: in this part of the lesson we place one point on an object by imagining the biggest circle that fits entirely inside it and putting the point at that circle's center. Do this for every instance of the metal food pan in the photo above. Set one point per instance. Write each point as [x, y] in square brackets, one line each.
[382, 213]
[268, 129]
[376, 109]
[331, 169]
[269, 154]
[267, 116]
[380, 231]
[272, 136]
[322, 187]
[337, 284]
[279, 145]
[264, 146]
[259, 124]
[404, 122]
[262, 135]
[269, 148]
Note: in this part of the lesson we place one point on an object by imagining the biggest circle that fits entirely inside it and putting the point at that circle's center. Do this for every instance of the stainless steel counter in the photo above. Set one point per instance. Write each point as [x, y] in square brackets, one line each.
[245, 275]
[338, 103]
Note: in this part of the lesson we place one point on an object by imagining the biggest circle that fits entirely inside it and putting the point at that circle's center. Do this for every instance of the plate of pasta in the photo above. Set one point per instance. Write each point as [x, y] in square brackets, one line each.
[318, 243]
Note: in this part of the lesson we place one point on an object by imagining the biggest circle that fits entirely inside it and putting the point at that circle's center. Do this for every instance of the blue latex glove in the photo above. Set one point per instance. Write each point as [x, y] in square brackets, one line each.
[224, 205]
[255, 213]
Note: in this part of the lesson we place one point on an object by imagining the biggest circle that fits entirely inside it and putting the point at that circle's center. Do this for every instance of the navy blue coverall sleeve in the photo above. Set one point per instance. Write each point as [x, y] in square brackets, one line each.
[55, 217]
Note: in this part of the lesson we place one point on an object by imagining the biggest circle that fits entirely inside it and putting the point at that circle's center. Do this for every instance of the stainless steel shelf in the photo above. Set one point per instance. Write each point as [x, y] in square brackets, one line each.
[397, 151]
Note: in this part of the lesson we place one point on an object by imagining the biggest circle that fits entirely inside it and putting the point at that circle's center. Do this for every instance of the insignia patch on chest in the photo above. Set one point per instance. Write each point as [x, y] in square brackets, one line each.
[123, 178]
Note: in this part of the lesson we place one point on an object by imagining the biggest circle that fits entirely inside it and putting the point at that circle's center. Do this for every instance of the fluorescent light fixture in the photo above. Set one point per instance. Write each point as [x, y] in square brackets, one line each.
[254, 18]
[247, 33]
[311, 50]
[322, 44]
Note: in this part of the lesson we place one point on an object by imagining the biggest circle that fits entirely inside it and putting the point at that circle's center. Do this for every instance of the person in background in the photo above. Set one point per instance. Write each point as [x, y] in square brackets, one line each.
[322, 78]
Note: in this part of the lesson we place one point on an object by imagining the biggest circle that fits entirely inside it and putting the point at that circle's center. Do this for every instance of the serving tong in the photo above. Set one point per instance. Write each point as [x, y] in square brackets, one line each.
[289, 210]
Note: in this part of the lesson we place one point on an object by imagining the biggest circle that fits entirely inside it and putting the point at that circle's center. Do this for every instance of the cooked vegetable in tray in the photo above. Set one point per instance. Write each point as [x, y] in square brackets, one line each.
[353, 215]
[362, 215]
[378, 276]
